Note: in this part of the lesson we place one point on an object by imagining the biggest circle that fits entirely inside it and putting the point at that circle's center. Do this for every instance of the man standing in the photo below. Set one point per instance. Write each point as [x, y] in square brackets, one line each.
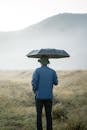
[43, 80]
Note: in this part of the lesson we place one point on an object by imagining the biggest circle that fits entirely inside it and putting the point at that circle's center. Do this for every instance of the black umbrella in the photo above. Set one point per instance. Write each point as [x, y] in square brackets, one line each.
[50, 53]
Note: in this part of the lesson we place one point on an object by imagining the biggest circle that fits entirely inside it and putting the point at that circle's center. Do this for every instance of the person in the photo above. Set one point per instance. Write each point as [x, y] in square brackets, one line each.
[43, 80]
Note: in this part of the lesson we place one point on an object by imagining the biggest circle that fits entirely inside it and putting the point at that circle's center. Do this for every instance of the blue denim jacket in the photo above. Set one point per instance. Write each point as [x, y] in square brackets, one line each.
[43, 80]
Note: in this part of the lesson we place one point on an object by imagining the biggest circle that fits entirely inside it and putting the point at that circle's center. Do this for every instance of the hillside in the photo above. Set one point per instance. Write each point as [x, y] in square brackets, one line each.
[17, 106]
[62, 31]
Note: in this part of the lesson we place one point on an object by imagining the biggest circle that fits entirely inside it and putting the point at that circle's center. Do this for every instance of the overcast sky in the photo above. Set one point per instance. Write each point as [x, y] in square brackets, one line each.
[18, 14]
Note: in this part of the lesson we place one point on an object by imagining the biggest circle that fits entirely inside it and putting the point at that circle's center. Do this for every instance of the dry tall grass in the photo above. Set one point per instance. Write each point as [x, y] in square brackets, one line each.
[17, 106]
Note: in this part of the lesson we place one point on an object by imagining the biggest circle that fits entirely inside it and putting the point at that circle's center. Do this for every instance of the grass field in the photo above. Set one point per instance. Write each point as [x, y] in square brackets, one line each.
[17, 105]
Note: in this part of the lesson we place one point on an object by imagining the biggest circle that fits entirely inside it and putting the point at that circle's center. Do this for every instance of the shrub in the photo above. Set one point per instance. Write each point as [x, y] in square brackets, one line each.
[75, 125]
[59, 112]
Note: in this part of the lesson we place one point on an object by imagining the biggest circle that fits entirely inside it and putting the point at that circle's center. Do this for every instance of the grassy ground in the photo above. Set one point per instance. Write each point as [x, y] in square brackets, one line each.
[17, 106]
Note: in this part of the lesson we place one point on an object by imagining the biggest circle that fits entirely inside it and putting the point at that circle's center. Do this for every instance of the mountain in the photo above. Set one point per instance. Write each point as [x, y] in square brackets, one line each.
[63, 31]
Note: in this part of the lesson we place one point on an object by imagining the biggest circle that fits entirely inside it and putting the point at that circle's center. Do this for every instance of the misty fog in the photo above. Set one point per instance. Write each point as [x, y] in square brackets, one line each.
[63, 31]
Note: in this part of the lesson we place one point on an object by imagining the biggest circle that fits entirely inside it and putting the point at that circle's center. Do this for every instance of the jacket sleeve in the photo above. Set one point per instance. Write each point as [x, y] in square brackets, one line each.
[55, 78]
[35, 80]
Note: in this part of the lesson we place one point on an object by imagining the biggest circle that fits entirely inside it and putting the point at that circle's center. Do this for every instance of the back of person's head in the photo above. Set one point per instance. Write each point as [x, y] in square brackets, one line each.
[44, 60]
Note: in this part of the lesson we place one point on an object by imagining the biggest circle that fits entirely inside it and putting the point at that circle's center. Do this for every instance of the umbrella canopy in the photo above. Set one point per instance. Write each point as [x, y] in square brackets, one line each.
[50, 53]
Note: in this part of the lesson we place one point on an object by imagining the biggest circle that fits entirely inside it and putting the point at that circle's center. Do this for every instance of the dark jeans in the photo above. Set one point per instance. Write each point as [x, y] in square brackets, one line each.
[48, 110]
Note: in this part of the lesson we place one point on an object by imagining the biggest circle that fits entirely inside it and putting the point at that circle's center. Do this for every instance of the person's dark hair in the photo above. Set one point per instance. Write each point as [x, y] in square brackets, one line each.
[44, 60]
